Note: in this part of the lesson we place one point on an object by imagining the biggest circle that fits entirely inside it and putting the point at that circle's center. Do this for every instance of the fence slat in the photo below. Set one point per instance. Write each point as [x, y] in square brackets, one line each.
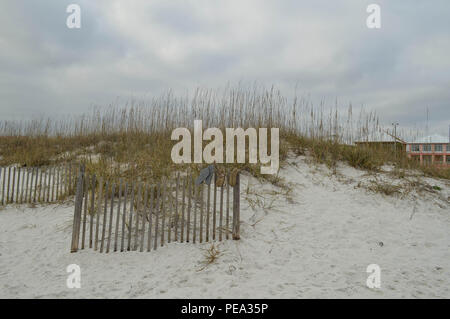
[91, 223]
[99, 204]
[36, 182]
[144, 218]
[58, 168]
[40, 189]
[66, 178]
[70, 179]
[157, 215]
[124, 216]
[201, 212]
[228, 206]
[183, 204]
[221, 214]
[62, 181]
[105, 215]
[188, 226]
[208, 199]
[13, 184]
[28, 196]
[15, 192]
[48, 181]
[169, 211]
[47, 193]
[236, 207]
[214, 206]
[24, 185]
[194, 230]
[77, 214]
[116, 234]
[40, 185]
[3, 185]
[131, 217]
[18, 185]
[50, 184]
[8, 185]
[25, 188]
[21, 185]
[152, 192]
[44, 186]
[30, 193]
[86, 192]
[138, 213]
[111, 216]
[53, 174]
[176, 206]
[2, 176]
[163, 211]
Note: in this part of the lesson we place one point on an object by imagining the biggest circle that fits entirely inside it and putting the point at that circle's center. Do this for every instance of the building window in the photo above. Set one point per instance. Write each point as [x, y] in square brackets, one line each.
[439, 159]
[426, 147]
[448, 159]
[438, 148]
[427, 159]
[416, 148]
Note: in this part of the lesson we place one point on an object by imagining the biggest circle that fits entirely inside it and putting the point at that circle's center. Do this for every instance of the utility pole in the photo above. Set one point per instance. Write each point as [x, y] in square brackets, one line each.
[395, 124]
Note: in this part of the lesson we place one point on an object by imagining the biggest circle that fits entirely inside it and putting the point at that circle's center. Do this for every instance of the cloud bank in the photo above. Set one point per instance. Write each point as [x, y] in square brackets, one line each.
[142, 48]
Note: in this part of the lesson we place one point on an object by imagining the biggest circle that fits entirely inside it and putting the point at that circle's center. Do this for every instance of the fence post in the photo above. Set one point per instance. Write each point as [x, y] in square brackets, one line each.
[77, 213]
[236, 208]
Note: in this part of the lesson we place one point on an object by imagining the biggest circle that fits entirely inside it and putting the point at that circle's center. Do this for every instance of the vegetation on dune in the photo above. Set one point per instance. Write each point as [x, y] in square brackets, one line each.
[134, 140]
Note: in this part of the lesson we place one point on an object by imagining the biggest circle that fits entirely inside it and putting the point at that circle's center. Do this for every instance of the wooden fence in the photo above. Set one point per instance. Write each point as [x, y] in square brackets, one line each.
[135, 216]
[21, 185]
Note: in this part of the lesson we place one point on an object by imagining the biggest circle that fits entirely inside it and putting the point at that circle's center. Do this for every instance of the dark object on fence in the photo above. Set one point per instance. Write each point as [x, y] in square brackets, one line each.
[19, 185]
[157, 214]
[205, 175]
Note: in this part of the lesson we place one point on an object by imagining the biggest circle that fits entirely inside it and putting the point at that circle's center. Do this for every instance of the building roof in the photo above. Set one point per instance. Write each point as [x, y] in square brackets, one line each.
[380, 137]
[435, 138]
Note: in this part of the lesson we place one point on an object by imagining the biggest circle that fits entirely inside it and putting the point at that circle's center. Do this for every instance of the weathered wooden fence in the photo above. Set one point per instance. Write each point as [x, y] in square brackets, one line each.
[21, 185]
[120, 216]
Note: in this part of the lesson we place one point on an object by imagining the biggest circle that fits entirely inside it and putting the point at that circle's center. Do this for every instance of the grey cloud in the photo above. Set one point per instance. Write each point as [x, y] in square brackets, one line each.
[141, 48]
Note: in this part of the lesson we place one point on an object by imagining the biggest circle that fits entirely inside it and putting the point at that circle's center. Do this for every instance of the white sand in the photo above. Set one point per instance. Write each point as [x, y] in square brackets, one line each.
[315, 242]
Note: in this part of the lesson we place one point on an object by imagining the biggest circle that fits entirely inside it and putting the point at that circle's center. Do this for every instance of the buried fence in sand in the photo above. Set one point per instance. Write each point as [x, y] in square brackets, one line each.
[22, 185]
[136, 216]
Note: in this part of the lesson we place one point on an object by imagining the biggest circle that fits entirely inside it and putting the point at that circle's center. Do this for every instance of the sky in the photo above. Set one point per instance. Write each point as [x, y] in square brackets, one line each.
[139, 49]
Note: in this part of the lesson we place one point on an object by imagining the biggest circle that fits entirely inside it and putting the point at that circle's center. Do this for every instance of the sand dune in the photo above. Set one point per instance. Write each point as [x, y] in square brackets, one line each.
[312, 241]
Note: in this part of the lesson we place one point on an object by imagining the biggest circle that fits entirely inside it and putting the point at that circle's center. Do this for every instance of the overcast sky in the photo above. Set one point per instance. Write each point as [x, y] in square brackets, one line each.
[140, 48]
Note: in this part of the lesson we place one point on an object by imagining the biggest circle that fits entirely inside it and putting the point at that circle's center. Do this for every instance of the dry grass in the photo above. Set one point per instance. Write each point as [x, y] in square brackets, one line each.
[387, 189]
[134, 140]
[210, 256]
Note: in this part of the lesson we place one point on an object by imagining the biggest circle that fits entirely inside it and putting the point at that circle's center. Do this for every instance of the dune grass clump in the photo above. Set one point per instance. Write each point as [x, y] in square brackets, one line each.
[387, 189]
[210, 256]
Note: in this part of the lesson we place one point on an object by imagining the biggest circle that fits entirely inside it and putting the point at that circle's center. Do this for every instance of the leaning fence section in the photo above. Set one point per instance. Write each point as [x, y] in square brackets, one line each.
[134, 216]
[22, 185]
